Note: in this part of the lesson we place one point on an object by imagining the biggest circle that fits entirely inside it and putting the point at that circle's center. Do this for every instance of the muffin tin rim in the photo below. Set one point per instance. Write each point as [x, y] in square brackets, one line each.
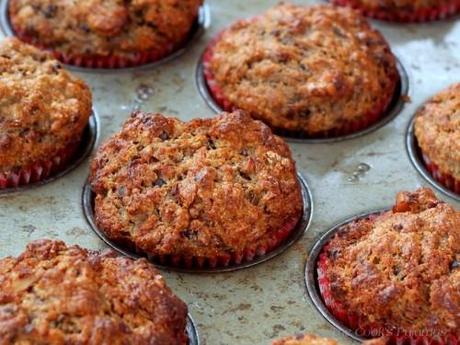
[310, 272]
[202, 23]
[192, 331]
[413, 151]
[396, 106]
[93, 132]
[301, 228]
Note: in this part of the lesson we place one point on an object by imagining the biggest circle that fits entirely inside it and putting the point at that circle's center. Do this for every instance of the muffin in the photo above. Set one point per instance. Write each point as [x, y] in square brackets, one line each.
[54, 294]
[317, 71]
[204, 193]
[44, 111]
[105, 33]
[304, 339]
[311, 339]
[404, 10]
[397, 274]
[437, 130]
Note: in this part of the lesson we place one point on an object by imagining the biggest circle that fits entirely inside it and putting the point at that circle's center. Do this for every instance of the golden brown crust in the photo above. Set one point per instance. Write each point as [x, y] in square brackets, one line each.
[202, 188]
[400, 270]
[305, 339]
[308, 69]
[53, 294]
[44, 109]
[437, 129]
[105, 27]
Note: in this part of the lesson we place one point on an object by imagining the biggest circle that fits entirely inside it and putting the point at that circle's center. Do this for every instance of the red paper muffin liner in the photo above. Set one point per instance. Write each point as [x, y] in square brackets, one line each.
[447, 180]
[420, 15]
[247, 255]
[345, 128]
[352, 320]
[110, 61]
[37, 171]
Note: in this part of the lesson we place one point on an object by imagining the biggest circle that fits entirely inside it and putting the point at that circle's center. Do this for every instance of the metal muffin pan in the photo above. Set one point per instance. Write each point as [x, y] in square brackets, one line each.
[301, 227]
[415, 156]
[395, 107]
[202, 24]
[311, 275]
[87, 144]
[253, 305]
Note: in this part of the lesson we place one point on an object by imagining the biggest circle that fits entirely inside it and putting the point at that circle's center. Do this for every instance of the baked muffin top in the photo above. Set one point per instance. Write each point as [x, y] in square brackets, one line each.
[437, 129]
[305, 339]
[54, 294]
[43, 109]
[104, 27]
[405, 5]
[400, 270]
[199, 188]
[308, 69]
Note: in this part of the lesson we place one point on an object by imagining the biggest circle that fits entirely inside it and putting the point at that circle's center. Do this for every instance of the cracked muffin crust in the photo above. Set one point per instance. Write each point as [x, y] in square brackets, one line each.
[318, 70]
[54, 294]
[209, 189]
[437, 130]
[312, 339]
[305, 339]
[397, 274]
[105, 33]
[43, 111]
[404, 10]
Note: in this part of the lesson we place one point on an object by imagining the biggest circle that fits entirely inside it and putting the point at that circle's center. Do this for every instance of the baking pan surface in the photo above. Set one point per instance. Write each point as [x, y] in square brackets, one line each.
[269, 300]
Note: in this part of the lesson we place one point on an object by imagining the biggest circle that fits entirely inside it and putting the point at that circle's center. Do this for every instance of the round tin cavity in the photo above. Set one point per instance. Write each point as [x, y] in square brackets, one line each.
[88, 141]
[311, 275]
[301, 227]
[415, 155]
[395, 107]
[202, 23]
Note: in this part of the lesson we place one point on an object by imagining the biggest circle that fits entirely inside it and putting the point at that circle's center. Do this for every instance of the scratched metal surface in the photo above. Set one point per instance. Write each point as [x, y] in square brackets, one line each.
[255, 305]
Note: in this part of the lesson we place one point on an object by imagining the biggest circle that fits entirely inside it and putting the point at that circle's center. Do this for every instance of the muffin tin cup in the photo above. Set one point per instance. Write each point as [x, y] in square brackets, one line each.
[39, 170]
[279, 243]
[444, 183]
[143, 60]
[351, 130]
[346, 321]
[44, 172]
[192, 332]
[314, 280]
[419, 16]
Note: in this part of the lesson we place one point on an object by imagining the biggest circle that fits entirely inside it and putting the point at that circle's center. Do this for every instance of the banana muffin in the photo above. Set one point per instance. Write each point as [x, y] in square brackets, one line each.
[311, 339]
[304, 339]
[54, 294]
[404, 10]
[202, 193]
[437, 130]
[397, 274]
[43, 114]
[313, 71]
[105, 33]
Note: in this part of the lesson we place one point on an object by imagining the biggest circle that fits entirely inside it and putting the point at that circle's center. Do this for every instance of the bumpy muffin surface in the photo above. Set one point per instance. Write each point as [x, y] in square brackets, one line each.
[54, 294]
[309, 69]
[200, 188]
[399, 272]
[437, 129]
[104, 27]
[43, 108]
[304, 339]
